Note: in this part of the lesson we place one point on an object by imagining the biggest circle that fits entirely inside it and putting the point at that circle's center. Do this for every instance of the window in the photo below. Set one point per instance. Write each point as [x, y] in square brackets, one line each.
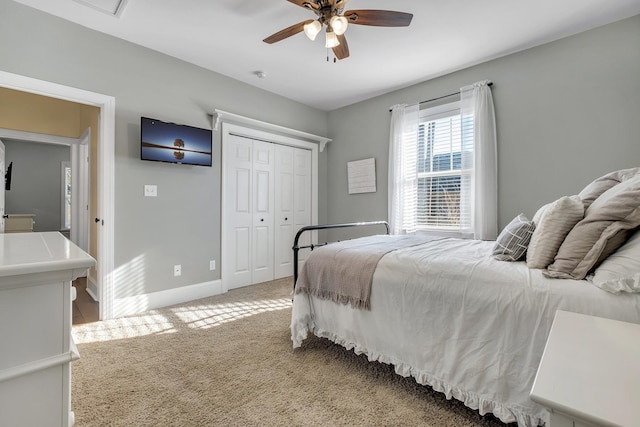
[438, 165]
[443, 167]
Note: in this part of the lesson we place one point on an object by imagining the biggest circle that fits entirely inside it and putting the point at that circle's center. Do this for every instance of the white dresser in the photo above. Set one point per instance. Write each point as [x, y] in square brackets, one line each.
[36, 347]
[589, 374]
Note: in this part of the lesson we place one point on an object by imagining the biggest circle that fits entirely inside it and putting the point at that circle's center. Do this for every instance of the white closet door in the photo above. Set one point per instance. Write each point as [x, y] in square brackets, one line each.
[302, 200]
[266, 198]
[263, 211]
[237, 239]
[284, 215]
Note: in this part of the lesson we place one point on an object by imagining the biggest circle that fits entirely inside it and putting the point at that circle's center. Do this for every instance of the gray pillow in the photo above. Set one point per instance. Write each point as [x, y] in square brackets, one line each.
[605, 227]
[513, 240]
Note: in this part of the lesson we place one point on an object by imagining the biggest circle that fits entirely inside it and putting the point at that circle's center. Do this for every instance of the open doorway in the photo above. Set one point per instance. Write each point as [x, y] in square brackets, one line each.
[48, 190]
[101, 217]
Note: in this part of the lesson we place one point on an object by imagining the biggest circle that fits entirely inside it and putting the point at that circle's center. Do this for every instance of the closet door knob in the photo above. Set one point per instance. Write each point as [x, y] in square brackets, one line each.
[261, 219]
[286, 219]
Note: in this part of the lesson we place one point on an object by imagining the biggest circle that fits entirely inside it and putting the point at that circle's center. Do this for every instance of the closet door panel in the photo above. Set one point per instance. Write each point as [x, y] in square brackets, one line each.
[284, 216]
[302, 199]
[237, 260]
[263, 211]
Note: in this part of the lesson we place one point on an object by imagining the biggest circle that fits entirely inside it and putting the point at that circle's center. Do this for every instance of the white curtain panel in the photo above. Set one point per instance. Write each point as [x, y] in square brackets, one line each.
[479, 213]
[402, 180]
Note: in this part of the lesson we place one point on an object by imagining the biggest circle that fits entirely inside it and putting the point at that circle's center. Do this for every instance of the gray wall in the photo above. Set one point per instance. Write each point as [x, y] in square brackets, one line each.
[567, 112]
[182, 224]
[36, 182]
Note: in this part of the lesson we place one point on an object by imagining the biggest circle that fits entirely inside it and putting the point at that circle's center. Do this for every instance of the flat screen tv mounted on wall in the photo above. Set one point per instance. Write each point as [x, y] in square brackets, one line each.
[174, 143]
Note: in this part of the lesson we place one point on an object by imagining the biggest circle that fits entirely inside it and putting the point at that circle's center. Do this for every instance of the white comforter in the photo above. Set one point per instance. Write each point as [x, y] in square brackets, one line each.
[454, 318]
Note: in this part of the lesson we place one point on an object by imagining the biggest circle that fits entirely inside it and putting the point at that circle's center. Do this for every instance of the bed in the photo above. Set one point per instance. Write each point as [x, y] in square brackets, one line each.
[451, 315]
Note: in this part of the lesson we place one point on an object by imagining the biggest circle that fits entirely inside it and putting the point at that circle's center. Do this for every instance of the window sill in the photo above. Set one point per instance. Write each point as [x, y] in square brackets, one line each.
[443, 233]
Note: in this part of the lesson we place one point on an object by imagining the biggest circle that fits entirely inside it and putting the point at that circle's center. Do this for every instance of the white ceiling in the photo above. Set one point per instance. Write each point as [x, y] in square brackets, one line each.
[445, 35]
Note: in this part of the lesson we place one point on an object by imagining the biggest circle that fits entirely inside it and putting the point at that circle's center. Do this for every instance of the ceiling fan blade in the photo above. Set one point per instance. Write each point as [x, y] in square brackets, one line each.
[287, 32]
[379, 18]
[342, 50]
[307, 4]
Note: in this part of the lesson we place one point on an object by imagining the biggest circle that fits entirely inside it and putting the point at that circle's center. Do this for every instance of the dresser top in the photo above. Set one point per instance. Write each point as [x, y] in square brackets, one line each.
[30, 253]
[589, 370]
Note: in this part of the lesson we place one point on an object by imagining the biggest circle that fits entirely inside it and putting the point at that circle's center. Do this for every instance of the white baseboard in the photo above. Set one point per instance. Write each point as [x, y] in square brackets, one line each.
[92, 288]
[139, 303]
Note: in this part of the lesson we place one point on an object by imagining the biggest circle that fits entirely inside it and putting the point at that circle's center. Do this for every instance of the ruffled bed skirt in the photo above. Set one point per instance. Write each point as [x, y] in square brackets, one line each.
[299, 332]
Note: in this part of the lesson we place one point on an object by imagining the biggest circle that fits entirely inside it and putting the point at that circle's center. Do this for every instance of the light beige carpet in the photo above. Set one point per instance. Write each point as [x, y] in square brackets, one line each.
[227, 361]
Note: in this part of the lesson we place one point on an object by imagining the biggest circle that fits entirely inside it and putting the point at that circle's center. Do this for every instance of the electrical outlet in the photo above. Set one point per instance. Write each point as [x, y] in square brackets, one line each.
[150, 190]
[177, 270]
[212, 264]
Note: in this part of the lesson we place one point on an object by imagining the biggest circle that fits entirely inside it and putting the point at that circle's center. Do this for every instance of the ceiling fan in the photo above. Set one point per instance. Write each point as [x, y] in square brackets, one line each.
[332, 14]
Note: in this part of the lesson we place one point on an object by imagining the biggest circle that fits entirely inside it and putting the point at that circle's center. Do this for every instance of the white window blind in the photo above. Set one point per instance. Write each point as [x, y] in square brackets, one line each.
[438, 163]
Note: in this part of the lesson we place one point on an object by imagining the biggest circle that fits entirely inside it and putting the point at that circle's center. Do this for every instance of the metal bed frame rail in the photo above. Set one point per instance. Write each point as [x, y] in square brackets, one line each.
[297, 248]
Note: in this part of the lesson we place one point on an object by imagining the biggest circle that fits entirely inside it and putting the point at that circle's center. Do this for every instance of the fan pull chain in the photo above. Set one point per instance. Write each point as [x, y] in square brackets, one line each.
[334, 58]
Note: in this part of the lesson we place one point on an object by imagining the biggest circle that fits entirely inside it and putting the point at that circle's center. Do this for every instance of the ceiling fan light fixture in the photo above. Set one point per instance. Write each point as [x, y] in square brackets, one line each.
[312, 29]
[338, 24]
[332, 40]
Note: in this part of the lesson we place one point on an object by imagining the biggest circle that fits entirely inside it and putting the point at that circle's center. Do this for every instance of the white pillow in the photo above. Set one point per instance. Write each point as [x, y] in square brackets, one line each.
[620, 272]
[553, 222]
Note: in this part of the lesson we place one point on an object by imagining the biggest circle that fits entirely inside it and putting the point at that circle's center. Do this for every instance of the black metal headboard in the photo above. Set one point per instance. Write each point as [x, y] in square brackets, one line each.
[297, 248]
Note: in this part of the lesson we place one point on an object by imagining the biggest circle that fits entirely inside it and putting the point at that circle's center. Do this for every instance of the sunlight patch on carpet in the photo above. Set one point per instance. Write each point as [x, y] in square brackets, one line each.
[171, 320]
[207, 316]
[149, 323]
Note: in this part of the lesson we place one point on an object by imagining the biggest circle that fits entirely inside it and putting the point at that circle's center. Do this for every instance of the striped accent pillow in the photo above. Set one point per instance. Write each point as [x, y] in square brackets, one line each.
[513, 240]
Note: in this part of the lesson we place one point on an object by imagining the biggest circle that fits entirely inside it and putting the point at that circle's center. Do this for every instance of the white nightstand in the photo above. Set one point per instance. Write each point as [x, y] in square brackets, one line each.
[589, 374]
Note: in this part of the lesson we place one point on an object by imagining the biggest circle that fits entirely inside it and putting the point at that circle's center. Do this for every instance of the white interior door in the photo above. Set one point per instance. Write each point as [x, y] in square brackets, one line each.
[263, 211]
[80, 192]
[238, 218]
[284, 215]
[2, 182]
